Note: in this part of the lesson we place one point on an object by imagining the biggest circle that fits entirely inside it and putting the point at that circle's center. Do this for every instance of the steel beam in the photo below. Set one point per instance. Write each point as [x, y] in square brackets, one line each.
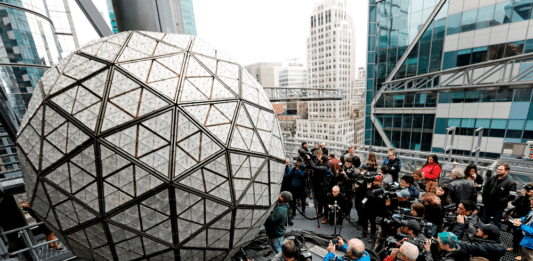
[282, 94]
[94, 17]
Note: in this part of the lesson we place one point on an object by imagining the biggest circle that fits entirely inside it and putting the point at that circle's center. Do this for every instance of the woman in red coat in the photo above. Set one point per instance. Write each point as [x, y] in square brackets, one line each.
[431, 172]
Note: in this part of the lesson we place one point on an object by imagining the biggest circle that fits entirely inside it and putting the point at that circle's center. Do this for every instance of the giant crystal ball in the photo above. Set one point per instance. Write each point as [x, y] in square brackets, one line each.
[151, 146]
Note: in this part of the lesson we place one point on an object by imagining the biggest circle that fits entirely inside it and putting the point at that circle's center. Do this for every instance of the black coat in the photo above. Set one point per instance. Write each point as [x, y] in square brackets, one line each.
[320, 183]
[341, 199]
[492, 250]
[522, 206]
[345, 182]
[434, 214]
[497, 192]
[462, 189]
[394, 168]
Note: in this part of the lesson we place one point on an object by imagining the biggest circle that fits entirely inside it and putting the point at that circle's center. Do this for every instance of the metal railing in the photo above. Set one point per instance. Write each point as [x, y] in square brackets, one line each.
[4, 253]
[283, 94]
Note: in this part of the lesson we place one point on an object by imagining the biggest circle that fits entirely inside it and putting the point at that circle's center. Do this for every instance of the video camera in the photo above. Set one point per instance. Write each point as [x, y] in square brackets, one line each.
[303, 253]
[398, 240]
[304, 153]
[366, 176]
[450, 215]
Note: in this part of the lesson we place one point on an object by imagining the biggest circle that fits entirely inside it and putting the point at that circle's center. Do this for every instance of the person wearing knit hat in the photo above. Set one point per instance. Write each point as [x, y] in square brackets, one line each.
[276, 221]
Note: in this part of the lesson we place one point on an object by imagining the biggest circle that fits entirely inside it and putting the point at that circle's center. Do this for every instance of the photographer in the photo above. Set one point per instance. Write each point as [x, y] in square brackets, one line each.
[447, 248]
[355, 250]
[433, 210]
[497, 194]
[289, 252]
[345, 181]
[466, 220]
[304, 151]
[460, 188]
[297, 185]
[393, 163]
[525, 224]
[320, 184]
[443, 191]
[335, 195]
[407, 182]
[411, 228]
[387, 178]
[369, 209]
[486, 243]
[407, 252]
[360, 187]
[275, 223]
[418, 210]
[522, 207]
[419, 180]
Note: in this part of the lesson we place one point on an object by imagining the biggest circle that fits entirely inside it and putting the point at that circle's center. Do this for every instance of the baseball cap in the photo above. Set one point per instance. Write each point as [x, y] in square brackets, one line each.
[404, 193]
[448, 238]
[287, 196]
[411, 224]
[380, 178]
[490, 230]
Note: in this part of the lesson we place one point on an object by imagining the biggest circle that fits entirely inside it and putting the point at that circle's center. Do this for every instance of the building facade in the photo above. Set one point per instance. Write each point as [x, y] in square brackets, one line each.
[330, 63]
[184, 17]
[267, 74]
[293, 75]
[358, 105]
[410, 38]
[29, 48]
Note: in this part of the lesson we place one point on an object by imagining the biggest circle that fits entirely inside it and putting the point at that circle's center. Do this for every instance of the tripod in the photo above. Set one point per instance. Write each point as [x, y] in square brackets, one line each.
[315, 202]
[335, 208]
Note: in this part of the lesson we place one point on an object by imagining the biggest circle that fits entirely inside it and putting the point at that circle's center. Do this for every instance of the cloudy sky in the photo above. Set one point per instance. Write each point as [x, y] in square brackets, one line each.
[255, 30]
[268, 31]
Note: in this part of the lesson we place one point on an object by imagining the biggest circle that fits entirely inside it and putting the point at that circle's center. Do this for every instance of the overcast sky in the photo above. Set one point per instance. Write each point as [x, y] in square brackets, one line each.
[268, 31]
[254, 30]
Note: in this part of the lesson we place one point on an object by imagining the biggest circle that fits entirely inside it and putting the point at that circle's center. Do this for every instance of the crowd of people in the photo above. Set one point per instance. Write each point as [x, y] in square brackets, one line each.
[413, 216]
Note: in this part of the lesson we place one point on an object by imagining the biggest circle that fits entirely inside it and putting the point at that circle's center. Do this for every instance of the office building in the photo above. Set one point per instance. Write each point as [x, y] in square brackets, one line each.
[184, 17]
[358, 105]
[418, 41]
[330, 64]
[293, 75]
[30, 47]
[267, 73]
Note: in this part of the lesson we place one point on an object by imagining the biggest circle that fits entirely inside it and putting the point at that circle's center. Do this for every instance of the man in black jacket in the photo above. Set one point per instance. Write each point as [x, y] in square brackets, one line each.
[335, 195]
[393, 163]
[369, 207]
[460, 188]
[467, 210]
[320, 183]
[486, 242]
[497, 194]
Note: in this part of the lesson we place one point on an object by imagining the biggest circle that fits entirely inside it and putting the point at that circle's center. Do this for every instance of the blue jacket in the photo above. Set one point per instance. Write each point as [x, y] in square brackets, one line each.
[527, 241]
[298, 177]
[413, 192]
[331, 256]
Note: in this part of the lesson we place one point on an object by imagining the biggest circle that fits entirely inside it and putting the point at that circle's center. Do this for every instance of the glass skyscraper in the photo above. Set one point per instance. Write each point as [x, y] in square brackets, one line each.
[409, 39]
[29, 47]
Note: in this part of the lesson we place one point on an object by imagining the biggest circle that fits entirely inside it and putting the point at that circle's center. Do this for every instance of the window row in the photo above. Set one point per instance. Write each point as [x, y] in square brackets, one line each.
[407, 101]
[488, 16]
[496, 128]
[485, 53]
[502, 95]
